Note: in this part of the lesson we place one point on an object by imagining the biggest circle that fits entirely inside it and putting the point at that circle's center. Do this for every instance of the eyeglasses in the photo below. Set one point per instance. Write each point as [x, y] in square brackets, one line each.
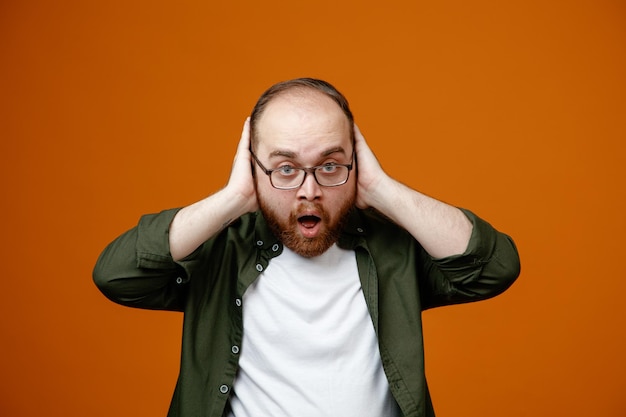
[288, 177]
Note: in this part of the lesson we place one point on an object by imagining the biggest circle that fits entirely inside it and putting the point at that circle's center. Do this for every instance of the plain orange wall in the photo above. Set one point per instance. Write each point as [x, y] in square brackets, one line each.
[516, 110]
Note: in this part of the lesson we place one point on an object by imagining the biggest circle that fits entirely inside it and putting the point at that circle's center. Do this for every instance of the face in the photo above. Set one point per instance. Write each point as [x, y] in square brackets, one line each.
[304, 129]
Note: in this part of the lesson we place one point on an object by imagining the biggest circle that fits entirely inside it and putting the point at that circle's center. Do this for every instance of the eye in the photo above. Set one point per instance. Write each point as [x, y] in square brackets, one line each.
[286, 170]
[328, 168]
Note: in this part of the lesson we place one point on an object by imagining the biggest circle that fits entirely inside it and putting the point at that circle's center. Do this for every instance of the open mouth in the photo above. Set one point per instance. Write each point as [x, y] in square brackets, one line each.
[309, 221]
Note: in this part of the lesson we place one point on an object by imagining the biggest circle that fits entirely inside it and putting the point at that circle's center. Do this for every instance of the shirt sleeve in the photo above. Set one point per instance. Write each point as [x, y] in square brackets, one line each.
[137, 269]
[487, 268]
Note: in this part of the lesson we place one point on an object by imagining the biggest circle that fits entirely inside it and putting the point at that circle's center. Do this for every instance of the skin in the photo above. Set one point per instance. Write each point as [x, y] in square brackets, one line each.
[301, 128]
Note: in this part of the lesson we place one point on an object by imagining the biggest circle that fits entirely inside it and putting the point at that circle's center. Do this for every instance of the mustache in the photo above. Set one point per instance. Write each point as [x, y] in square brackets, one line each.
[309, 207]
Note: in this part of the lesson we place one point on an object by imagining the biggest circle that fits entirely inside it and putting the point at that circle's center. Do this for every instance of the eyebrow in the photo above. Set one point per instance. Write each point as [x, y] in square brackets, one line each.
[293, 155]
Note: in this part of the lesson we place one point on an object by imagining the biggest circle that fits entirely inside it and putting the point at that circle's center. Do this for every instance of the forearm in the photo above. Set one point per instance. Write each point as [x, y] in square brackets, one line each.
[198, 222]
[195, 224]
[442, 230]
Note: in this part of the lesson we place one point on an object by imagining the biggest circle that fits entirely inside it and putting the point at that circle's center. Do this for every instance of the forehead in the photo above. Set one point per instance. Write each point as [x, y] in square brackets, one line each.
[302, 122]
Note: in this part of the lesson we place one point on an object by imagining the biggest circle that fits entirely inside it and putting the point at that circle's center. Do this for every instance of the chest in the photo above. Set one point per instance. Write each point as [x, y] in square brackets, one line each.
[309, 344]
[311, 305]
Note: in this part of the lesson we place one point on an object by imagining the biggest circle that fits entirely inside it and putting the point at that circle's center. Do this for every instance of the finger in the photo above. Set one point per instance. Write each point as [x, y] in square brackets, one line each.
[360, 143]
[245, 135]
[246, 127]
[244, 142]
[358, 136]
[365, 154]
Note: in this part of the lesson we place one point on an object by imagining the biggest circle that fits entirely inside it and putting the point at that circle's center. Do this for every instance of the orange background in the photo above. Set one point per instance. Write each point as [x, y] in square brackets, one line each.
[516, 110]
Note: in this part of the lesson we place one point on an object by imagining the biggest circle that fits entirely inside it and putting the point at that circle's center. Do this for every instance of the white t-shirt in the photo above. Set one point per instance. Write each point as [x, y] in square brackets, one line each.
[309, 348]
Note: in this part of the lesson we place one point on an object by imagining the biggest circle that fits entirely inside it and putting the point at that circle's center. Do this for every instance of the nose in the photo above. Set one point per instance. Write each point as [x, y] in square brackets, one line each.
[309, 190]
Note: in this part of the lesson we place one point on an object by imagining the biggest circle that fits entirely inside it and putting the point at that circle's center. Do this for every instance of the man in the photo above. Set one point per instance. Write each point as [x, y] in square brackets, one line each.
[303, 280]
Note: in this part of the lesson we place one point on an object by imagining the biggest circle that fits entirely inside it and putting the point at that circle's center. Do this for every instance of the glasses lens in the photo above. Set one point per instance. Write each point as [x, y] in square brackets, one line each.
[329, 175]
[287, 177]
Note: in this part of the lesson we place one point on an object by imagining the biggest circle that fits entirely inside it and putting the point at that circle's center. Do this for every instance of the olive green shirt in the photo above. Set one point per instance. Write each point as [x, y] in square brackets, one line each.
[399, 280]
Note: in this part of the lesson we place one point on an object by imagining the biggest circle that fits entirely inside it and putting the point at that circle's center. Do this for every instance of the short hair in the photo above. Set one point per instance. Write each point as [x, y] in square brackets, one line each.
[314, 84]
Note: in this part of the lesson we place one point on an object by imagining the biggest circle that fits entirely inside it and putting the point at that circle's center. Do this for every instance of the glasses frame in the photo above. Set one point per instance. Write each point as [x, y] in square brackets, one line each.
[306, 170]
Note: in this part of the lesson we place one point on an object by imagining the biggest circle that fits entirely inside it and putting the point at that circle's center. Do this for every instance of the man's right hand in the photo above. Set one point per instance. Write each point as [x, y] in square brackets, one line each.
[241, 181]
[198, 222]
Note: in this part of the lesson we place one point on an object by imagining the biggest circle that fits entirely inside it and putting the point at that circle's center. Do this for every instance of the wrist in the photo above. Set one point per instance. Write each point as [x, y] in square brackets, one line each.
[381, 193]
[238, 202]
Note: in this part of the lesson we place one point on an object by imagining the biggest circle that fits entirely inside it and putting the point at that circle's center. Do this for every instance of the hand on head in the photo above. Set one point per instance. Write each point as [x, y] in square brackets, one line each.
[241, 180]
[370, 173]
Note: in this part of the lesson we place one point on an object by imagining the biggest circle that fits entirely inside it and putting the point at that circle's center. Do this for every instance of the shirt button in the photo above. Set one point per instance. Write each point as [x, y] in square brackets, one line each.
[259, 267]
[235, 350]
[259, 243]
[275, 247]
[359, 229]
[224, 389]
[179, 280]
[238, 302]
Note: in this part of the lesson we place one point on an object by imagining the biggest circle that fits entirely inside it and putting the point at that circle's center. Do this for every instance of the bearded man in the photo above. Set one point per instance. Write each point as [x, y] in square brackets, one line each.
[303, 280]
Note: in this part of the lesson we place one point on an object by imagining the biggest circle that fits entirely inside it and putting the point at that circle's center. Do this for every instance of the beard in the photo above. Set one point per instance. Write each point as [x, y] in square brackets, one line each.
[286, 230]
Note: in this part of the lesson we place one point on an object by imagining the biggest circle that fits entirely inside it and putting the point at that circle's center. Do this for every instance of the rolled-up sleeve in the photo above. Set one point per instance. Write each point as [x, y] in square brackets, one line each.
[488, 267]
[137, 270]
